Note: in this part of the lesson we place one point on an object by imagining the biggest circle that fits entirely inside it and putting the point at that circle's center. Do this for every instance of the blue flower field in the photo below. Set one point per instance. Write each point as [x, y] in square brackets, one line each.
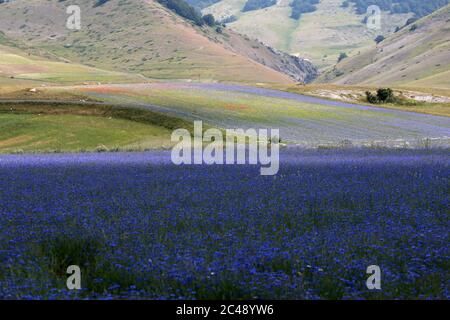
[140, 227]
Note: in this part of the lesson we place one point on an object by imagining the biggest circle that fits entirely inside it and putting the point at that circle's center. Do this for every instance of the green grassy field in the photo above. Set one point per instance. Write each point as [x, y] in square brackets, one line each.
[39, 127]
[213, 105]
[70, 133]
[300, 121]
[139, 117]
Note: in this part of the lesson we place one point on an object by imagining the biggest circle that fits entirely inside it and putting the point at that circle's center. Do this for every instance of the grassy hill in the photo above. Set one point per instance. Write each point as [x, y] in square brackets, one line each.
[319, 36]
[18, 64]
[416, 56]
[141, 37]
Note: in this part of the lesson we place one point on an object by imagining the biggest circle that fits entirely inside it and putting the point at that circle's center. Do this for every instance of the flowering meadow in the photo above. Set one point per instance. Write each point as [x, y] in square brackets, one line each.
[142, 228]
[303, 120]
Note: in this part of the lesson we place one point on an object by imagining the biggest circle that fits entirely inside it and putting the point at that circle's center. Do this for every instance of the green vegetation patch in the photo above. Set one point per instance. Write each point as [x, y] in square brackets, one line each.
[75, 133]
[59, 127]
[302, 6]
[183, 9]
[251, 5]
[100, 110]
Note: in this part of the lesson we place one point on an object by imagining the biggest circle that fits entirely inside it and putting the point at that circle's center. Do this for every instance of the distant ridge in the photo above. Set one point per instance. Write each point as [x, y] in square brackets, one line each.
[418, 56]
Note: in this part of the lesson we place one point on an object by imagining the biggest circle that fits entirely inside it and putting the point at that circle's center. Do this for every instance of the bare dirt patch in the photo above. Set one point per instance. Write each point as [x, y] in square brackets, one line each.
[15, 140]
[421, 97]
[359, 95]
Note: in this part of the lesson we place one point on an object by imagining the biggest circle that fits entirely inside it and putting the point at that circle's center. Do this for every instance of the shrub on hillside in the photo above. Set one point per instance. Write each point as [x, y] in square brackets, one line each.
[342, 56]
[98, 3]
[379, 39]
[413, 27]
[339, 73]
[386, 95]
[410, 21]
[209, 19]
[371, 98]
[383, 95]
[258, 4]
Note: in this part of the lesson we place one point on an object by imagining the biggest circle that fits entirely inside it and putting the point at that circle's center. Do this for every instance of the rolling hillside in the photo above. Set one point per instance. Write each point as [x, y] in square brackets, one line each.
[335, 26]
[416, 56]
[143, 37]
[26, 66]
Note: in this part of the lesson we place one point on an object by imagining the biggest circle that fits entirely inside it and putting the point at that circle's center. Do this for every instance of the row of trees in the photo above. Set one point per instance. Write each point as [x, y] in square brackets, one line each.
[180, 7]
[183, 9]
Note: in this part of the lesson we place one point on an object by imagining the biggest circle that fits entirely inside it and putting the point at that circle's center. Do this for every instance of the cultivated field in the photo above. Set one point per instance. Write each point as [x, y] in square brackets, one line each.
[140, 116]
[302, 120]
[86, 118]
[141, 227]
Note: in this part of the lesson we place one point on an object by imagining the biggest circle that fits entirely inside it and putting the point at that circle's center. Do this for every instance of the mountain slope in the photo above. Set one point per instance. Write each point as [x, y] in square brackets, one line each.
[141, 36]
[416, 56]
[18, 64]
[319, 36]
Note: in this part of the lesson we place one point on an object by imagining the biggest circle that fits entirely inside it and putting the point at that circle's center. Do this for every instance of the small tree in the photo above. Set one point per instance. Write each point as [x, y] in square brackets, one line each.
[371, 98]
[379, 39]
[385, 95]
[342, 56]
[209, 19]
[410, 21]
